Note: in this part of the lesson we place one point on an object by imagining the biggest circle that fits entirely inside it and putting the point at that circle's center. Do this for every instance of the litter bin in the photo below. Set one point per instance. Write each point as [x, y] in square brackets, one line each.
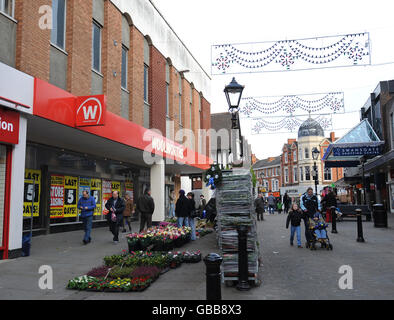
[379, 215]
[26, 244]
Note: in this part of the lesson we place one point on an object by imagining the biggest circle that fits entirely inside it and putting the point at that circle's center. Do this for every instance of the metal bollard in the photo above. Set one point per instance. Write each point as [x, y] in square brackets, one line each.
[214, 289]
[243, 272]
[360, 237]
[334, 220]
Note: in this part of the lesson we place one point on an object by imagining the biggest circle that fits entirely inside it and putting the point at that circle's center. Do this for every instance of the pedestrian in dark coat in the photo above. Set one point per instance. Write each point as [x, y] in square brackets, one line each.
[330, 200]
[210, 209]
[146, 206]
[286, 202]
[182, 209]
[87, 204]
[192, 214]
[128, 211]
[115, 206]
[260, 207]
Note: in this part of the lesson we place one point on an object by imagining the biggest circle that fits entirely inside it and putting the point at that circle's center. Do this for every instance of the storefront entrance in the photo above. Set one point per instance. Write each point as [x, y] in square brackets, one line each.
[5, 176]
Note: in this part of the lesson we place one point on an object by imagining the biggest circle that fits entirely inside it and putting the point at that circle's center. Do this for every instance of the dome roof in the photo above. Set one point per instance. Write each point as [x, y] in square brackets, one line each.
[310, 128]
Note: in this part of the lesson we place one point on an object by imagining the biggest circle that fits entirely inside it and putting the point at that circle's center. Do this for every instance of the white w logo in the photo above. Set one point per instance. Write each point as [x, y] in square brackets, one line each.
[90, 113]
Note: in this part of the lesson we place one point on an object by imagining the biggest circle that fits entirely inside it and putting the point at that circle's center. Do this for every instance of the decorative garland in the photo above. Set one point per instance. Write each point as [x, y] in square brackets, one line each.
[213, 176]
[286, 124]
[336, 51]
[332, 102]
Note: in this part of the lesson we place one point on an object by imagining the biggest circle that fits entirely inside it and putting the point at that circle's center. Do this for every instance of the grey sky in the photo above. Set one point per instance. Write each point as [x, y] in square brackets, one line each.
[203, 23]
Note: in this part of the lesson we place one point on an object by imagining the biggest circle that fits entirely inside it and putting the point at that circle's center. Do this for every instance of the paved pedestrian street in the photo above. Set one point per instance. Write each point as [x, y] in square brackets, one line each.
[287, 272]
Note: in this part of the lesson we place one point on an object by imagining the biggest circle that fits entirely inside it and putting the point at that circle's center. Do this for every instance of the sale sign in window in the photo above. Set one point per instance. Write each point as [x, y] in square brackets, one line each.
[70, 196]
[31, 195]
[95, 192]
[57, 196]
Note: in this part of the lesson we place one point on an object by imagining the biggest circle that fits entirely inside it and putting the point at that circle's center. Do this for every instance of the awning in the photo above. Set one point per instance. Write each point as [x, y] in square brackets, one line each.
[361, 141]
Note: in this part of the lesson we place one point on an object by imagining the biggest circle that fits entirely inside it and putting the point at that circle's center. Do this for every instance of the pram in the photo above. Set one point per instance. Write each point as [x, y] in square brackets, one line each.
[318, 227]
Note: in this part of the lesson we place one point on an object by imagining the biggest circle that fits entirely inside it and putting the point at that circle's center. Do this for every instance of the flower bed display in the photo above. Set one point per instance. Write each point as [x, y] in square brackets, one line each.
[133, 271]
[162, 238]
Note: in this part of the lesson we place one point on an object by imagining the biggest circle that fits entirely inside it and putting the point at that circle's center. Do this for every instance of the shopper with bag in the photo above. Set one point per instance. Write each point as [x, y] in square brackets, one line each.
[115, 206]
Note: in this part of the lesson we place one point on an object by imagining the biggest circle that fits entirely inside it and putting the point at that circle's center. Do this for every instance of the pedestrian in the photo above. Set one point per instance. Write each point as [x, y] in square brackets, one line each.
[260, 208]
[271, 204]
[115, 205]
[171, 197]
[192, 214]
[295, 216]
[202, 205]
[286, 202]
[309, 204]
[182, 208]
[329, 200]
[210, 210]
[87, 204]
[146, 206]
[128, 211]
[279, 206]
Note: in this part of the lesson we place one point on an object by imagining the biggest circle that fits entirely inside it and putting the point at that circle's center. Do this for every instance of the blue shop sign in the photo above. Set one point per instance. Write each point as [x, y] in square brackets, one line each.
[356, 151]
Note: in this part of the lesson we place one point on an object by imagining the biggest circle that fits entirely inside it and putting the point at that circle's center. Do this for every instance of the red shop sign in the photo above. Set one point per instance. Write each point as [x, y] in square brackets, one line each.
[9, 126]
[90, 111]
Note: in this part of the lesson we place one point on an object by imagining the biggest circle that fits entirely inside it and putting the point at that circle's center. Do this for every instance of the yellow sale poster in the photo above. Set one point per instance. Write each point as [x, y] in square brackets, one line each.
[70, 196]
[95, 191]
[116, 186]
[107, 193]
[130, 188]
[32, 183]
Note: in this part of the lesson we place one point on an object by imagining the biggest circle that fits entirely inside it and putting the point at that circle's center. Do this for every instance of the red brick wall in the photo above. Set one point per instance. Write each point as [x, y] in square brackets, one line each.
[136, 76]
[157, 90]
[112, 57]
[33, 44]
[206, 121]
[79, 47]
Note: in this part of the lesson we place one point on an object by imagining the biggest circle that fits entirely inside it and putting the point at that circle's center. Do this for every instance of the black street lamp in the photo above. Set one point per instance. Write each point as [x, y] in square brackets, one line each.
[315, 156]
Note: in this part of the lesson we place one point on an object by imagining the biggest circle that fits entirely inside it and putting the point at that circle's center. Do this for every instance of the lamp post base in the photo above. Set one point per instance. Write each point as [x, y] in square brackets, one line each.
[243, 286]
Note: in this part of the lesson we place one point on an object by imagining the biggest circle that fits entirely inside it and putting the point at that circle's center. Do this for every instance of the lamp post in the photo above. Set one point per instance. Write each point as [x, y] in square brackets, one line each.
[315, 156]
[233, 92]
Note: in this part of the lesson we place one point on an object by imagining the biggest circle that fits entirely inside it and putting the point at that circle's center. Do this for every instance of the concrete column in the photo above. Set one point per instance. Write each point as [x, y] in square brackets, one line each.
[157, 182]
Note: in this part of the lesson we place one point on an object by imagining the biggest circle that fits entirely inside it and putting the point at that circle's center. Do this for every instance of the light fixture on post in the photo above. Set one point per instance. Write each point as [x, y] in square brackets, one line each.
[315, 156]
[233, 92]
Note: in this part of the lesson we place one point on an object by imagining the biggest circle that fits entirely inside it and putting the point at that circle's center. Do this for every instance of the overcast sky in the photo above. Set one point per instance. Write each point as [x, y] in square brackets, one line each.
[203, 23]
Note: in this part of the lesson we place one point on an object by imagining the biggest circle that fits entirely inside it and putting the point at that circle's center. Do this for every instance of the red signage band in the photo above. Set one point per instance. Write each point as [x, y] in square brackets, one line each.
[9, 126]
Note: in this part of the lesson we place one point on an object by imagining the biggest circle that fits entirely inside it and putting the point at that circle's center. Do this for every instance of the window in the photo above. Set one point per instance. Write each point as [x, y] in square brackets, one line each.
[180, 99]
[167, 90]
[300, 153]
[306, 154]
[146, 83]
[7, 6]
[301, 174]
[295, 155]
[286, 157]
[327, 174]
[96, 61]
[124, 66]
[191, 108]
[286, 175]
[58, 33]
[295, 175]
[307, 173]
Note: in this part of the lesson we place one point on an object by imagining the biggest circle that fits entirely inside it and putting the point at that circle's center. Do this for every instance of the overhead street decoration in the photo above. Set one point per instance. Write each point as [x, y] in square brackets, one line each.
[286, 55]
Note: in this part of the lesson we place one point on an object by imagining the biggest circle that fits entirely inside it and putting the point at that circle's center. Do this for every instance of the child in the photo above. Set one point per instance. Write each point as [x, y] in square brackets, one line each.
[295, 216]
[279, 206]
[319, 227]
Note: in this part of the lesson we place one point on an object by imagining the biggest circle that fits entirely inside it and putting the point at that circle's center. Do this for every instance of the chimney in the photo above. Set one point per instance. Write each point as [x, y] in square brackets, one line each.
[332, 136]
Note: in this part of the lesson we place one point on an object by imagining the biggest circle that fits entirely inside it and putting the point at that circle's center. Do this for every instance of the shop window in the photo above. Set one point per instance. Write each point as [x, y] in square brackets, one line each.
[7, 7]
[96, 61]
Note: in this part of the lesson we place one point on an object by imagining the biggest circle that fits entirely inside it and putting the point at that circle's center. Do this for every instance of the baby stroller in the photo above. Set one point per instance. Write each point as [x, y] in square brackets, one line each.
[318, 234]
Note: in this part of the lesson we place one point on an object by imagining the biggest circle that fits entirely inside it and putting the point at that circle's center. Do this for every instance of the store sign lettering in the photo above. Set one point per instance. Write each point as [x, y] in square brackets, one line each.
[9, 126]
[90, 111]
[356, 151]
[159, 144]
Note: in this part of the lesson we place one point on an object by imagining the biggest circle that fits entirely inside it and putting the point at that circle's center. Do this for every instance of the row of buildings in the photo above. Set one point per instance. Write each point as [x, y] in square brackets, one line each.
[292, 172]
[97, 95]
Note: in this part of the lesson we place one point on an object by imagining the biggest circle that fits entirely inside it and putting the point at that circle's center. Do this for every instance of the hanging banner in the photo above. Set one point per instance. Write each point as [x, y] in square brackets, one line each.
[70, 196]
[107, 193]
[57, 197]
[286, 55]
[130, 188]
[32, 181]
[95, 191]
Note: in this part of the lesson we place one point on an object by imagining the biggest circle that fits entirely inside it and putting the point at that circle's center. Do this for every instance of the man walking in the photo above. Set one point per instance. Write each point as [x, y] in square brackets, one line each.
[309, 204]
[115, 206]
[146, 206]
[87, 204]
[286, 202]
[271, 204]
[202, 206]
[182, 208]
[260, 208]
